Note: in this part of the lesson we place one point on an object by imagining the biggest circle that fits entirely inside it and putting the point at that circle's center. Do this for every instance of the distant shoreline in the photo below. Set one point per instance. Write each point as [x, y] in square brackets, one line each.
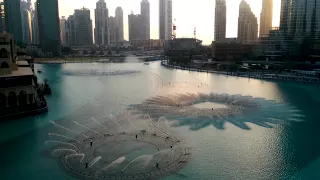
[84, 59]
[268, 76]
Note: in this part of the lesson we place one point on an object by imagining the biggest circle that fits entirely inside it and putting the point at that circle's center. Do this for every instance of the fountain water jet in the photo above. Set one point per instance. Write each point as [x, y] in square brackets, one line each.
[62, 136]
[75, 155]
[60, 142]
[166, 123]
[67, 129]
[87, 128]
[149, 119]
[96, 121]
[145, 158]
[156, 127]
[164, 152]
[67, 150]
[95, 160]
[115, 121]
[118, 161]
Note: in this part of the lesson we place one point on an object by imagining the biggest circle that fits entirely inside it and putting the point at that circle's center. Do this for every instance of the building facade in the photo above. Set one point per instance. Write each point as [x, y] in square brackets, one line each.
[49, 26]
[119, 24]
[300, 19]
[112, 29]
[26, 19]
[13, 19]
[63, 30]
[18, 94]
[135, 25]
[230, 51]
[145, 18]
[247, 24]
[83, 27]
[101, 31]
[305, 22]
[147, 44]
[165, 19]
[2, 17]
[266, 17]
[70, 31]
[35, 29]
[182, 47]
[220, 20]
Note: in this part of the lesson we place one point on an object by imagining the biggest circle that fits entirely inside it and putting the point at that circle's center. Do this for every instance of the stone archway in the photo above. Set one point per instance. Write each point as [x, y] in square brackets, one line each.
[23, 98]
[4, 65]
[3, 103]
[12, 100]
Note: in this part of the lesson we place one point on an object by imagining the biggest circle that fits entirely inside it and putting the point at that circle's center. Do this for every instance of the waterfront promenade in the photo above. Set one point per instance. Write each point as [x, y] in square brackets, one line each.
[256, 75]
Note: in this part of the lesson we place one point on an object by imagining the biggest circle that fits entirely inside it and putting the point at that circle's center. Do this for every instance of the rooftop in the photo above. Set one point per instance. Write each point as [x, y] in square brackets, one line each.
[22, 71]
[22, 63]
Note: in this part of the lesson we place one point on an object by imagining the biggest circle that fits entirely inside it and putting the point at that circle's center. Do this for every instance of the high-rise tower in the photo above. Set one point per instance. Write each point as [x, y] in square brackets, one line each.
[49, 26]
[119, 24]
[165, 19]
[13, 19]
[220, 20]
[266, 17]
[247, 24]
[145, 18]
[101, 31]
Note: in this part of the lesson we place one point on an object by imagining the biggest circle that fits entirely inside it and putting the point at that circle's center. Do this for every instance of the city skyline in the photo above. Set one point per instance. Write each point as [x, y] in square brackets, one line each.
[185, 20]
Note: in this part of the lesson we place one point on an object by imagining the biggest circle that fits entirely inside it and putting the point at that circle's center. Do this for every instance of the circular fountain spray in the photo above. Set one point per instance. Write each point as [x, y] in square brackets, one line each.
[129, 152]
[201, 110]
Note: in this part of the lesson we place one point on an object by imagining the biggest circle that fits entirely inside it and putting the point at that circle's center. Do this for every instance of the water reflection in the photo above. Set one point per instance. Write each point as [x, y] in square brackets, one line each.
[303, 137]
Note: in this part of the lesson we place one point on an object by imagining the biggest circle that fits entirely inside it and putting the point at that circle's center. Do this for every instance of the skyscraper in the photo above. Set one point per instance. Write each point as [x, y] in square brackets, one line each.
[300, 19]
[70, 31]
[13, 19]
[135, 25]
[63, 30]
[285, 16]
[49, 26]
[165, 19]
[83, 27]
[101, 31]
[145, 18]
[26, 19]
[112, 29]
[35, 29]
[266, 17]
[2, 17]
[247, 24]
[220, 20]
[119, 24]
[305, 20]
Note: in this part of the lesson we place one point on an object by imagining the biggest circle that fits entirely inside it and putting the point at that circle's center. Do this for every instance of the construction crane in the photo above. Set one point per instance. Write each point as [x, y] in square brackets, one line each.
[195, 32]
[174, 28]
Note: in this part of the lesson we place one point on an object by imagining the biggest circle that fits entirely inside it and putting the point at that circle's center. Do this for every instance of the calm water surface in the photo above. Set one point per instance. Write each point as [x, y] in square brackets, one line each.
[287, 151]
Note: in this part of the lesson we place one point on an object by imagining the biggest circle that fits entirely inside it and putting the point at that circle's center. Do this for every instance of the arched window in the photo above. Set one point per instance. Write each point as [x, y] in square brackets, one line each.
[22, 98]
[12, 100]
[4, 65]
[3, 53]
[3, 103]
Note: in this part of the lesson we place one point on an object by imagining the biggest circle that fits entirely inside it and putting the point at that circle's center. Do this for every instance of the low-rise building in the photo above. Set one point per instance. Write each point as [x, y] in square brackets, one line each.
[147, 44]
[231, 51]
[183, 46]
[18, 86]
[121, 44]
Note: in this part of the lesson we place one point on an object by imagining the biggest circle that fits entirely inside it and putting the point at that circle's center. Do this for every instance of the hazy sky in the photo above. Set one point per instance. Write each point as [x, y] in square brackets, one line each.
[187, 13]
